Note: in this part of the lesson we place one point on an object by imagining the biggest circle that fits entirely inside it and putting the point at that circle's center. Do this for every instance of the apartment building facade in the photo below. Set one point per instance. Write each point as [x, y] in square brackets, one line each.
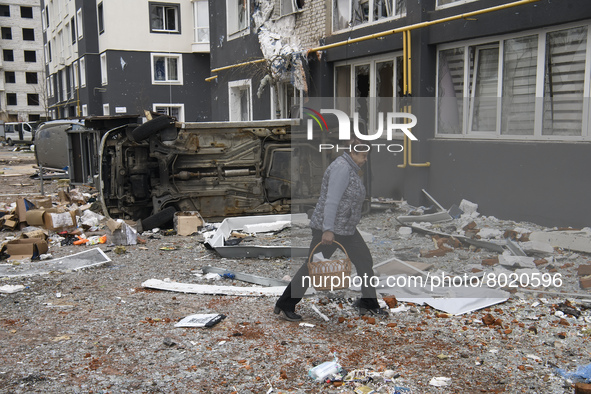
[500, 89]
[110, 57]
[22, 93]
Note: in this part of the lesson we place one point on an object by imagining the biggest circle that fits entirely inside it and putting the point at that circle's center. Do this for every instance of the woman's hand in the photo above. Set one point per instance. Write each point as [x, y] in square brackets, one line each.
[327, 237]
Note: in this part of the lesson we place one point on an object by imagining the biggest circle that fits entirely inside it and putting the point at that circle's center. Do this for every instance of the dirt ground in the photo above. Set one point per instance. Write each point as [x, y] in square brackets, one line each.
[97, 330]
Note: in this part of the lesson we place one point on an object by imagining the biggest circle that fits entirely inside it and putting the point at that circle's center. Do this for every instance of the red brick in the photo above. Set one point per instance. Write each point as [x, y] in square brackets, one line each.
[490, 262]
[584, 270]
[582, 388]
[585, 282]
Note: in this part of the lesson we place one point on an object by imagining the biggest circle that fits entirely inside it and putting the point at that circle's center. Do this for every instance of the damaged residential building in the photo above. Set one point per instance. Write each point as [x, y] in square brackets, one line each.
[22, 86]
[500, 90]
[113, 58]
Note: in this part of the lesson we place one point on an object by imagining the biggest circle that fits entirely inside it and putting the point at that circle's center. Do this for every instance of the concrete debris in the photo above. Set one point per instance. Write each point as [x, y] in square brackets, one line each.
[440, 381]
[517, 261]
[11, 289]
[579, 241]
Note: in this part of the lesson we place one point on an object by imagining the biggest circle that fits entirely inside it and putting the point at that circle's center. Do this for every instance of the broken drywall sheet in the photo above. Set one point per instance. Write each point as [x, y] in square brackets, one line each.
[213, 289]
[454, 300]
[237, 224]
[88, 258]
[579, 241]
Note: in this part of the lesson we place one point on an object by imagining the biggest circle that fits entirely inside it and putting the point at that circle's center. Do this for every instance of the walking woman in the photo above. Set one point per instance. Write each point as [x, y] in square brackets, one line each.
[335, 218]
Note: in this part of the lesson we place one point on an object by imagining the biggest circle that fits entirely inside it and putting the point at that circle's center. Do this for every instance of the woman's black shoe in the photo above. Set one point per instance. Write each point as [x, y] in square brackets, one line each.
[287, 315]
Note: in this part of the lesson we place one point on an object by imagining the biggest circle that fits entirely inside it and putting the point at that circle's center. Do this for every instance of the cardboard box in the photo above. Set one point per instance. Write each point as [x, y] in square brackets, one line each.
[35, 217]
[51, 219]
[10, 221]
[22, 206]
[187, 222]
[59, 220]
[41, 202]
[25, 248]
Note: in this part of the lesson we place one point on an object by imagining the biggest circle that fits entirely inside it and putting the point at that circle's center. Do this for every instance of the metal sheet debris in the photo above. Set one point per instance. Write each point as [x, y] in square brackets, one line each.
[239, 223]
[430, 217]
[86, 259]
[257, 280]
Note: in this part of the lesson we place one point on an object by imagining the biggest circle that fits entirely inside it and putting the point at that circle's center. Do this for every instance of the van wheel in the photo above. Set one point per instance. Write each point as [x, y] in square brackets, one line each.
[158, 219]
[9, 142]
[150, 128]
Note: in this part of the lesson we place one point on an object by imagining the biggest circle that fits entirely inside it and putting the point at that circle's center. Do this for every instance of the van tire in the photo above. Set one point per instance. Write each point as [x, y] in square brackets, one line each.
[158, 219]
[9, 142]
[150, 128]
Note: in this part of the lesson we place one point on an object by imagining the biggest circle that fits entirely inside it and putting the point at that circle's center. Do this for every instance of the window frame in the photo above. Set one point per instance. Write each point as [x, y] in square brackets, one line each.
[539, 96]
[165, 6]
[233, 86]
[180, 106]
[452, 4]
[104, 69]
[370, 21]
[106, 109]
[79, 24]
[233, 28]
[100, 18]
[372, 62]
[178, 56]
[197, 27]
[82, 72]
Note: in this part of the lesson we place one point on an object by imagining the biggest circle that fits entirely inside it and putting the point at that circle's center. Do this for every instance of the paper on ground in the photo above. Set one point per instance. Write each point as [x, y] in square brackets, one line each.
[197, 320]
[88, 258]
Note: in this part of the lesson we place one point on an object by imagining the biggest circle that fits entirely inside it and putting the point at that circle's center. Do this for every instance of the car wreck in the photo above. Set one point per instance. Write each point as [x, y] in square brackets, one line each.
[147, 172]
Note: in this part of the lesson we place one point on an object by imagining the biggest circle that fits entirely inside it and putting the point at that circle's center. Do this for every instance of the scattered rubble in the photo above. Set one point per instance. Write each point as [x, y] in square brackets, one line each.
[108, 327]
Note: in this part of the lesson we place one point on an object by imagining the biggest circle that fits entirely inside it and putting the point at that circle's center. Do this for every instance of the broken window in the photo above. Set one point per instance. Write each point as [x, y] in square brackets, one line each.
[164, 18]
[451, 89]
[519, 85]
[372, 83]
[497, 88]
[484, 88]
[240, 100]
[238, 16]
[176, 111]
[289, 99]
[166, 68]
[564, 81]
[349, 13]
[291, 6]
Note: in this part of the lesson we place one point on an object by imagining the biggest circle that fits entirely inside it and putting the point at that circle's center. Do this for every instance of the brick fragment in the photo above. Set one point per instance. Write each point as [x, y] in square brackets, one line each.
[490, 262]
[585, 282]
[584, 270]
[582, 388]
[391, 301]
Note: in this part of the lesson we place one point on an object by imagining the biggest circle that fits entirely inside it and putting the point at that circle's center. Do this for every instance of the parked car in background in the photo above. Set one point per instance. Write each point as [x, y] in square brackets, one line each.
[19, 132]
